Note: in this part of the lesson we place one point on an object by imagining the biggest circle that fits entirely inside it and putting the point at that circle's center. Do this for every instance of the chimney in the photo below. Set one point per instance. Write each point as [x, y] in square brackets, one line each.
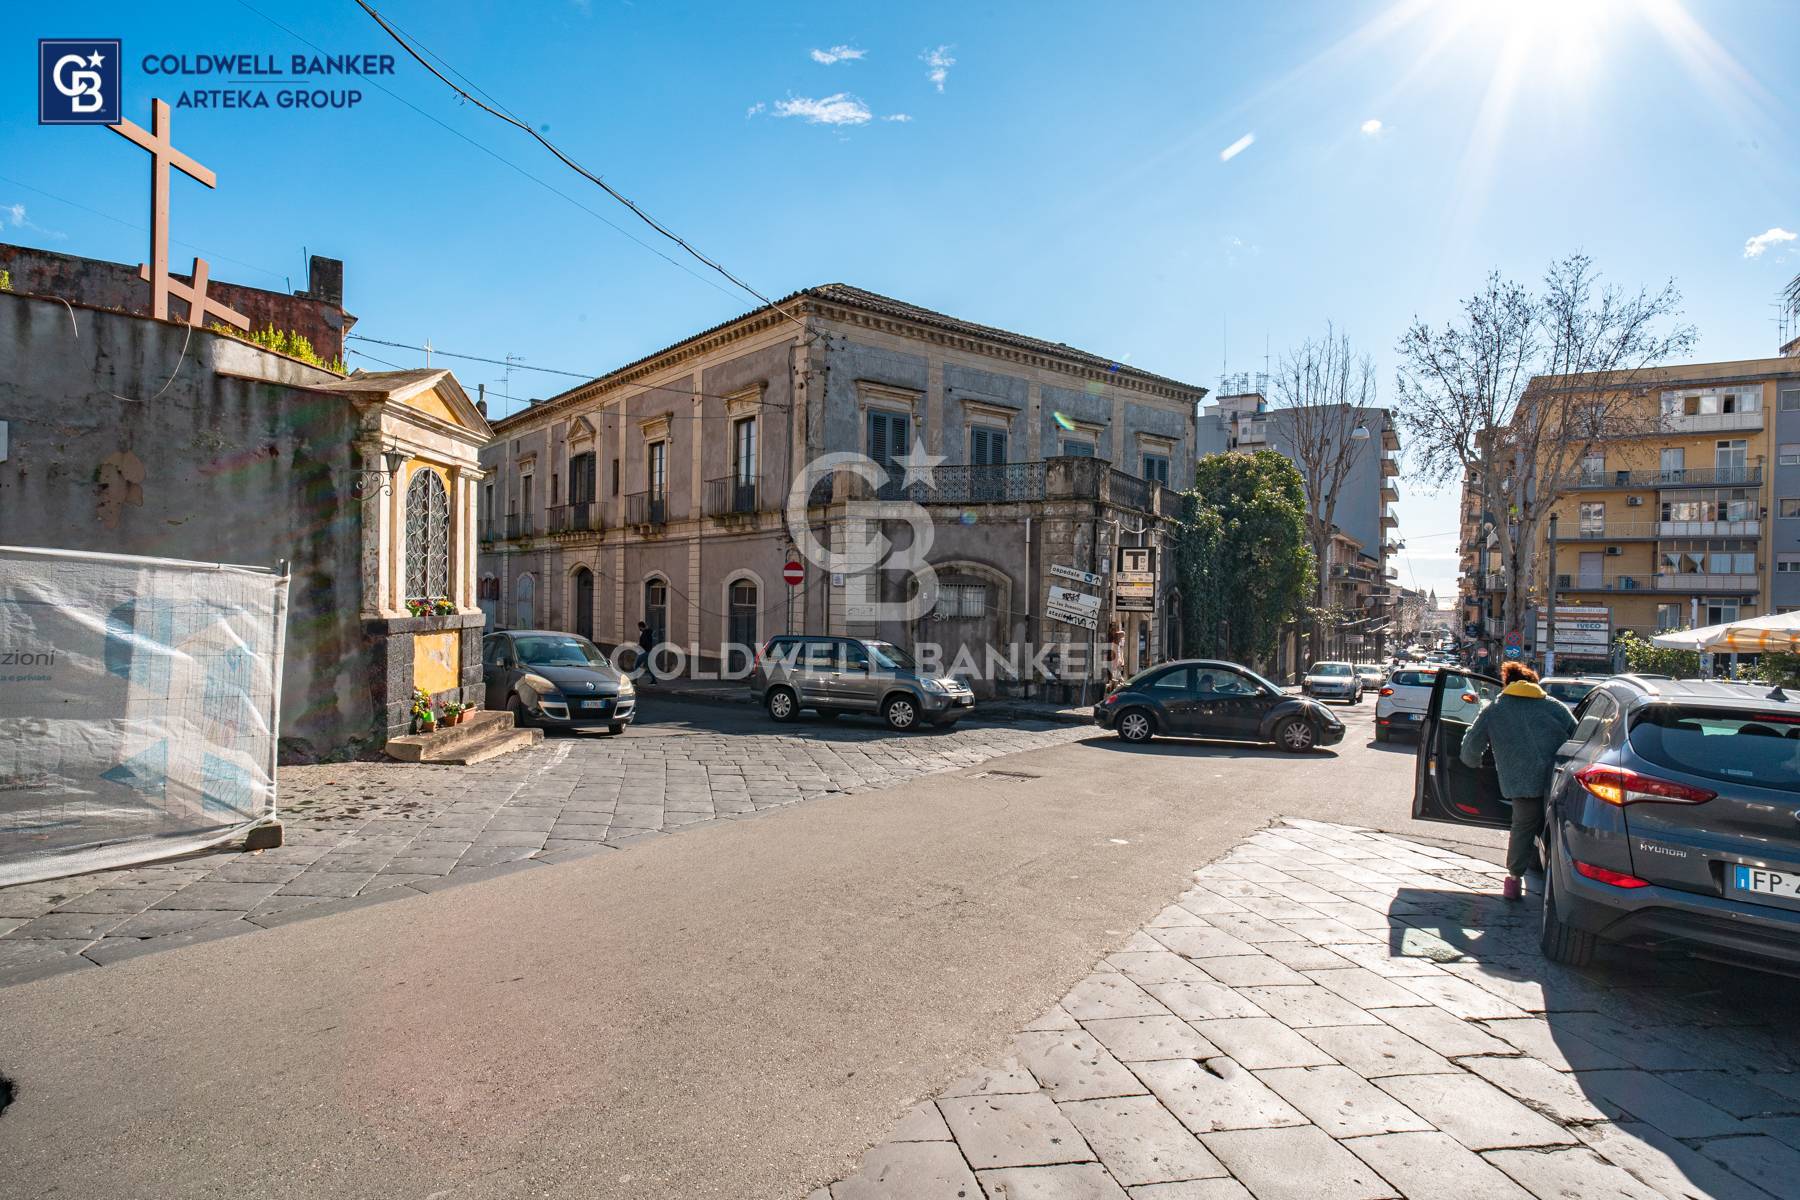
[325, 280]
[481, 398]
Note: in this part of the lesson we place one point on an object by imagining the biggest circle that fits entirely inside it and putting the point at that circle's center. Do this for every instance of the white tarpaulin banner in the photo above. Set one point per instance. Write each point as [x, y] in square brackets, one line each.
[138, 707]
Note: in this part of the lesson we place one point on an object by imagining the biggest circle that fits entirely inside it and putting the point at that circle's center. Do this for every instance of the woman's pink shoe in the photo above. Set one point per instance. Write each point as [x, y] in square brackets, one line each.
[1513, 888]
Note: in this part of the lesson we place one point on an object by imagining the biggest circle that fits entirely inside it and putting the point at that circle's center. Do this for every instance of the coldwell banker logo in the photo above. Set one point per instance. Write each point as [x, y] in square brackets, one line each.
[78, 81]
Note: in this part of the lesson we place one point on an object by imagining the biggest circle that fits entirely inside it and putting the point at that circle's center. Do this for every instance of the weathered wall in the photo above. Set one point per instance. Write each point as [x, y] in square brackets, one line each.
[213, 468]
[317, 314]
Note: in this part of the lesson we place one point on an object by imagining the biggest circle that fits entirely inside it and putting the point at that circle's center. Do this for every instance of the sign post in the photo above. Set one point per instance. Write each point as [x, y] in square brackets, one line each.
[793, 574]
[1513, 646]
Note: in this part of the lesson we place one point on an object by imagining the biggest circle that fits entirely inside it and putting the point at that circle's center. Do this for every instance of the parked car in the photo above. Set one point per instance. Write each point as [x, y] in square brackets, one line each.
[833, 675]
[1372, 675]
[1401, 702]
[1332, 681]
[1567, 688]
[1208, 698]
[557, 680]
[1671, 816]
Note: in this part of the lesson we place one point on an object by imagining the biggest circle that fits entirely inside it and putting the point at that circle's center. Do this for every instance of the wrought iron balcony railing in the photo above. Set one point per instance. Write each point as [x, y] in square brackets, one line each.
[647, 508]
[582, 516]
[731, 497]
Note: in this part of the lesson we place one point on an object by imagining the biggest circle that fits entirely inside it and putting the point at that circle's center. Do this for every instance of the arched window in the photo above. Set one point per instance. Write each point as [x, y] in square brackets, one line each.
[525, 603]
[741, 615]
[656, 608]
[427, 537]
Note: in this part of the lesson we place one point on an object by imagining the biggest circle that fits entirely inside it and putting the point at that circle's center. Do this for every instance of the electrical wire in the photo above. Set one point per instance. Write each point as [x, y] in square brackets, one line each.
[545, 142]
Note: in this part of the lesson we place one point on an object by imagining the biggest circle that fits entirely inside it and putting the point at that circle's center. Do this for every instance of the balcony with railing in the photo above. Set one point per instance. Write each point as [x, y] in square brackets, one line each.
[1608, 531]
[1669, 582]
[1741, 528]
[582, 516]
[731, 497]
[647, 509]
[1126, 490]
[1389, 493]
[1747, 476]
[520, 525]
[1064, 478]
[1711, 422]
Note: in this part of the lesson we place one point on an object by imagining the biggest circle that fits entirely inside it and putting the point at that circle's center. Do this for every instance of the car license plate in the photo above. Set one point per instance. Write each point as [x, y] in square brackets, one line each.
[1408, 716]
[1763, 882]
[592, 705]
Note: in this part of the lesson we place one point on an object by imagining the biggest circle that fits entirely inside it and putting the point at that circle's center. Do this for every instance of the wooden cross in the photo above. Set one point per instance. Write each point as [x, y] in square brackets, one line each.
[200, 305]
[163, 156]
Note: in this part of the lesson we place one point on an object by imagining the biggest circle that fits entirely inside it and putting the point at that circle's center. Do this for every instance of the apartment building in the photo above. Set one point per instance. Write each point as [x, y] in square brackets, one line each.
[1689, 513]
[662, 491]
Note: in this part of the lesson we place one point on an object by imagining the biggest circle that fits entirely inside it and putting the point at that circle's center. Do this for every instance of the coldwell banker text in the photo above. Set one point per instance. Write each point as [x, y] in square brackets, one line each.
[268, 80]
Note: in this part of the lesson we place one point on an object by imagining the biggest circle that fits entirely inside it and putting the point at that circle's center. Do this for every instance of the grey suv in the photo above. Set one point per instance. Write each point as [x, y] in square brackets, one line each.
[833, 675]
[1673, 817]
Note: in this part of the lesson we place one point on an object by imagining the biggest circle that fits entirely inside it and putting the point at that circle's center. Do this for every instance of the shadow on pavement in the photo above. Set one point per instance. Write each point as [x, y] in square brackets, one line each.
[1678, 1070]
[1168, 746]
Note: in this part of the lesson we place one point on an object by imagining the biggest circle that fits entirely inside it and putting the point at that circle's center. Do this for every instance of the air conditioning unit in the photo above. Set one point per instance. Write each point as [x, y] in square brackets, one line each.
[1614, 551]
[1634, 502]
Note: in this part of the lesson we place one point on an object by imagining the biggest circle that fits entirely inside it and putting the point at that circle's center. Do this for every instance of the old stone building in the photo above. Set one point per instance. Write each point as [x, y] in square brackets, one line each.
[673, 490]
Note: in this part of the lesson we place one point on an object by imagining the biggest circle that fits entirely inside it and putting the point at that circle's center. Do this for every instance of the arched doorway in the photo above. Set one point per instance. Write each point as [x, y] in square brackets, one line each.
[584, 603]
[656, 608]
[525, 603]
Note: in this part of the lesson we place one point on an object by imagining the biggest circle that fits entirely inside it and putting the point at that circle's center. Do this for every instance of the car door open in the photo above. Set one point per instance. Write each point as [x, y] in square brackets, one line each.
[1444, 789]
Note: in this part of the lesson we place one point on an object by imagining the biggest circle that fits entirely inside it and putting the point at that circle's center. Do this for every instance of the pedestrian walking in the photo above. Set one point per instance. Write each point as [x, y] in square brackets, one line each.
[646, 641]
[1523, 727]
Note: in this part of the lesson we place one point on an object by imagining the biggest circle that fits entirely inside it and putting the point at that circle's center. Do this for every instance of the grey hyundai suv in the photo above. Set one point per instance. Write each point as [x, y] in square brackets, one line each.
[833, 675]
[1673, 818]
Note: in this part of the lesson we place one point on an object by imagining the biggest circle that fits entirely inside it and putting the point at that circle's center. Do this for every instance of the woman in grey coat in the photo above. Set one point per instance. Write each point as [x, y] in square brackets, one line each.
[1523, 726]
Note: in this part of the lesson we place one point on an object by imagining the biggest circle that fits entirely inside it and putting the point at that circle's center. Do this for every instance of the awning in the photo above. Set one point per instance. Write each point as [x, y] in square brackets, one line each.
[1777, 632]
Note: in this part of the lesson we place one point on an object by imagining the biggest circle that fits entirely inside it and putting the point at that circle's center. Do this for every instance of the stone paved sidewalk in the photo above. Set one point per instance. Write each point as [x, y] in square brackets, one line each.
[359, 833]
[1336, 1014]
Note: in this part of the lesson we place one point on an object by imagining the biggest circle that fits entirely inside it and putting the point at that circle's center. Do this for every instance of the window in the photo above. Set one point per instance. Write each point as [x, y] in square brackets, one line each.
[888, 436]
[1790, 399]
[656, 468]
[527, 495]
[961, 600]
[1177, 682]
[1788, 506]
[1156, 468]
[1674, 460]
[1593, 468]
[1593, 517]
[1787, 564]
[427, 537]
[615, 476]
[1077, 448]
[987, 447]
[1717, 612]
[1670, 617]
[1729, 457]
[555, 488]
[581, 479]
[741, 613]
[743, 451]
[1788, 454]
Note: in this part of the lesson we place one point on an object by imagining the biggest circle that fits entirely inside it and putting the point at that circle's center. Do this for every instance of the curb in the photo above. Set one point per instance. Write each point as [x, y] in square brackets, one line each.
[993, 710]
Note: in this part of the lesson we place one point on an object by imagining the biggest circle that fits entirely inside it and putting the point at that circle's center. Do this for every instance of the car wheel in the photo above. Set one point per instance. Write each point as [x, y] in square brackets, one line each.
[515, 706]
[901, 713]
[783, 705]
[1296, 735]
[1562, 943]
[1135, 725]
[1381, 733]
[616, 729]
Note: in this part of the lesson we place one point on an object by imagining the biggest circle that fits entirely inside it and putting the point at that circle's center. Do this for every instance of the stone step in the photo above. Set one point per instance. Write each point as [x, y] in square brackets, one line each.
[417, 747]
[500, 741]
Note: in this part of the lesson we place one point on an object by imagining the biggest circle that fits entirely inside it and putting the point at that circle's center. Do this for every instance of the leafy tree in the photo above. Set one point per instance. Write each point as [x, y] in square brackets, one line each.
[1645, 657]
[1242, 556]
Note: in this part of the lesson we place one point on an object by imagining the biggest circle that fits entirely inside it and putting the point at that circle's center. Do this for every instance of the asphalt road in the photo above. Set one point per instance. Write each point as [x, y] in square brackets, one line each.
[735, 1012]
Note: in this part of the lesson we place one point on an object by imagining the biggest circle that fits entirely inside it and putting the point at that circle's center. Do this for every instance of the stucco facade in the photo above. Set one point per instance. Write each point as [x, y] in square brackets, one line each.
[728, 420]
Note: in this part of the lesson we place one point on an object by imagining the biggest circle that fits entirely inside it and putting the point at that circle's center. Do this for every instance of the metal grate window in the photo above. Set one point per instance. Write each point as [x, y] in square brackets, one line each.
[427, 537]
[962, 600]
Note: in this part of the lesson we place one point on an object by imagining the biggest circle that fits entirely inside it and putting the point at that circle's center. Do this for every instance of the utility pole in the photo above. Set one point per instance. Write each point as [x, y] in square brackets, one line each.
[1550, 630]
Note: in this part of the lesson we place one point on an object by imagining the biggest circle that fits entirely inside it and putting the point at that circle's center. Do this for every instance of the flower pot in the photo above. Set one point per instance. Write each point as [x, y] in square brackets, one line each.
[427, 726]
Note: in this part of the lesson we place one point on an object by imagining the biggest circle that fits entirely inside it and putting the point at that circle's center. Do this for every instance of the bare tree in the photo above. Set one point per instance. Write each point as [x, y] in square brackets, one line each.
[1320, 391]
[1490, 398]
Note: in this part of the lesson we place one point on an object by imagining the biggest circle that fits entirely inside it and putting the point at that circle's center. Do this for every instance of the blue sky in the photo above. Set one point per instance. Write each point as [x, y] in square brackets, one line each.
[1061, 169]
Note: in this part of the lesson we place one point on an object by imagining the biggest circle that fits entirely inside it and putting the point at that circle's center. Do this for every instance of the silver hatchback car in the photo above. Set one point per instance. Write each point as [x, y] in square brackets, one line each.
[833, 675]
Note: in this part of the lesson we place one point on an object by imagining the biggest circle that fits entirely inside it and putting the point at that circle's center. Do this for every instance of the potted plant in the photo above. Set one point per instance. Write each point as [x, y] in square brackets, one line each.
[419, 608]
[423, 716]
[453, 712]
[443, 606]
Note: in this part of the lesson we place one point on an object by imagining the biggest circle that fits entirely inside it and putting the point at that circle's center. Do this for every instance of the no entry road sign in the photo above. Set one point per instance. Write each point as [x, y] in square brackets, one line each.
[793, 573]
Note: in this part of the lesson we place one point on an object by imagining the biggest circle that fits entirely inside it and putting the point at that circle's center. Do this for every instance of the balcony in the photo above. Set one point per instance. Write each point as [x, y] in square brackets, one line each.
[1711, 422]
[647, 509]
[1352, 571]
[1064, 478]
[1708, 528]
[1389, 520]
[583, 516]
[1389, 493]
[1706, 583]
[1127, 491]
[1610, 531]
[1390, 465]
[731, 497]
[1659, 583]
[520, 525]
[1750, 476]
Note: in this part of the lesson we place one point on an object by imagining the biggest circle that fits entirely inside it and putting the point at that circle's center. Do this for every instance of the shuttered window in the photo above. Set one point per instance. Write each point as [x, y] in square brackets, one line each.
[987, 447]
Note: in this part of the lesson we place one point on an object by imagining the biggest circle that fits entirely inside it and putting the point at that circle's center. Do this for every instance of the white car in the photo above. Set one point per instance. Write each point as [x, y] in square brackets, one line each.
[1400, 705]
[1332, 681]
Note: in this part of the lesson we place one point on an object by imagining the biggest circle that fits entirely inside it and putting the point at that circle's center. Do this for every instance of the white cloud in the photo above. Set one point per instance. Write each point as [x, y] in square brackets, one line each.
[1774, 236]
[838, 54]
[940, 62]
[1236, 148]
[1372, 126]
[754, 109]
[839, 109]
[902, 117]
[15, 213]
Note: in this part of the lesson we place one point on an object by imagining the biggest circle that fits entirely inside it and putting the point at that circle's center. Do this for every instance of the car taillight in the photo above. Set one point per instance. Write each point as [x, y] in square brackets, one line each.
[1469, 697]
[1112, 699]
[1387, 691]
[1617, 879]
[1622, 786]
